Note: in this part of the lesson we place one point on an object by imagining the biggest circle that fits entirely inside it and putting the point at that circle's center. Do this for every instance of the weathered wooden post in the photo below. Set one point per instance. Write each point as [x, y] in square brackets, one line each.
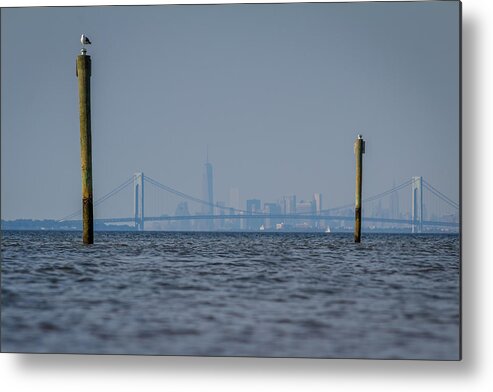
[359, 150]
[83, 73]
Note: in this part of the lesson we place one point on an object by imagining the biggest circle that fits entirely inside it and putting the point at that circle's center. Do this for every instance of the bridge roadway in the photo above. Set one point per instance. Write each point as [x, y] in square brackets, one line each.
[274, 216]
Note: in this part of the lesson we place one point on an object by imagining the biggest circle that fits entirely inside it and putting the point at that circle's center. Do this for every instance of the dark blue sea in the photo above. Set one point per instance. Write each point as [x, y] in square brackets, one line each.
[232, 294]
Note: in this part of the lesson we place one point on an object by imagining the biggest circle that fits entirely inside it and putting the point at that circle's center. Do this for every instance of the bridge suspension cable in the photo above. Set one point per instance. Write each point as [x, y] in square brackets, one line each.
[186, 196]
[195, 199]
[372, 198]
[440, 195]
[102, 199]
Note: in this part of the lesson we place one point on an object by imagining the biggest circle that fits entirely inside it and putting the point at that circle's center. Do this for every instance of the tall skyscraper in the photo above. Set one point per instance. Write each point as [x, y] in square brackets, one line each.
[289, 207]
[317, 198]
[207, 195]
[317, 201]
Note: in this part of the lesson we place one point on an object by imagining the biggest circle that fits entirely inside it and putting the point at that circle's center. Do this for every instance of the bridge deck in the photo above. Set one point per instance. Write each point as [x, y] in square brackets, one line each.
[273, 216]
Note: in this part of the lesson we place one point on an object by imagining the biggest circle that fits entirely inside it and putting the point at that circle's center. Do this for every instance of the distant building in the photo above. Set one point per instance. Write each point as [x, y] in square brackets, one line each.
[376, 212]
[272, 209]
[305, 207]
[207, 194]
[291, 206]
[317, 201]
[232, 224]
[234, 204]
[234, 198]
[394, 204]
[182, 210]
[253, 206]
[288, 206]
[221, 210]
[308, 208]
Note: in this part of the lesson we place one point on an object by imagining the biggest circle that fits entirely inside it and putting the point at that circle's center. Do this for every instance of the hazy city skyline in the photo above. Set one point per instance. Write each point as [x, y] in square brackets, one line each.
[391, 205]
[276, 93]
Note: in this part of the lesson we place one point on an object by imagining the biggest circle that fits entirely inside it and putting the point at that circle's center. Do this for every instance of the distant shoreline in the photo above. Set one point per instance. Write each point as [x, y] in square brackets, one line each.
[266, 232]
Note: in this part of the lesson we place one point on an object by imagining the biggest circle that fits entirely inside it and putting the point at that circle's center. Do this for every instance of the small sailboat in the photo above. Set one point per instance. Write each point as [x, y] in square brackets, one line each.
[328, 229]
[261, 228]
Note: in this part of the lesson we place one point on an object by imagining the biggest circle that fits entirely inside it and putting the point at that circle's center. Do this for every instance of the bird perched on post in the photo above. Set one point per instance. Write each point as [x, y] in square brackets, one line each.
[84, 40]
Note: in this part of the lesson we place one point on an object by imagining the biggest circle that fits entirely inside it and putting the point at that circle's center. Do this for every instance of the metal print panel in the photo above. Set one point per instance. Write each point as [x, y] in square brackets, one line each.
[267, 180]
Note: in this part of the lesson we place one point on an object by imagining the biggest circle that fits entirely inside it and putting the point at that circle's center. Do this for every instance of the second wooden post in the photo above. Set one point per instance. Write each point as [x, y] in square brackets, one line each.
[359, 150]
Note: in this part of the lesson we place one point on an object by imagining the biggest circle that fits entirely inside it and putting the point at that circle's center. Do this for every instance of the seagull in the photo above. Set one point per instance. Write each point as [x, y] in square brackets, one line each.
[84, 40]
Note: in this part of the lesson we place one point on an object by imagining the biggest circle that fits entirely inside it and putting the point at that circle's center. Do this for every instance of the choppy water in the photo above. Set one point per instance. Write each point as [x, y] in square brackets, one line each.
[281, 295]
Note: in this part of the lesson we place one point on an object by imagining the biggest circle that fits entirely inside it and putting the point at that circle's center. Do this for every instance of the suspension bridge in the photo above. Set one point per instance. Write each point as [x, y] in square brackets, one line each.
[426, 208]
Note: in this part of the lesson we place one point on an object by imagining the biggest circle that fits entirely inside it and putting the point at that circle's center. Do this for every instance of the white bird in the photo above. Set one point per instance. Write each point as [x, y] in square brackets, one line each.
[84, 40]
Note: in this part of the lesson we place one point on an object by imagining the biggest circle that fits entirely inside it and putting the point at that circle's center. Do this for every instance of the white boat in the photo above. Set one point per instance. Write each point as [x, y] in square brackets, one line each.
[262, 228]
[328, 229]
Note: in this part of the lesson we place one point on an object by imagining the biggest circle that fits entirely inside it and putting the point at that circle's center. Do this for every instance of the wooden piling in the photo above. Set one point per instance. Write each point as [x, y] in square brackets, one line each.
[359, 150]
[83, 72]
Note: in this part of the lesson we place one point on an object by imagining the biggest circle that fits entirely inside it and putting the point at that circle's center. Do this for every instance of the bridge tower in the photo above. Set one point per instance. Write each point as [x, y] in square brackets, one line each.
[417, 204]
[139, 201]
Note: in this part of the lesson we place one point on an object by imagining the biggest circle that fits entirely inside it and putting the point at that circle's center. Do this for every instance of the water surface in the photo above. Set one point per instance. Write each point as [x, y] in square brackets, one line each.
[237, 294]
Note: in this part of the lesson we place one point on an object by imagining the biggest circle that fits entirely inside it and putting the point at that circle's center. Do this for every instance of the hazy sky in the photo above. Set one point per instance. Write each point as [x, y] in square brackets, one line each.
[278, 93]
